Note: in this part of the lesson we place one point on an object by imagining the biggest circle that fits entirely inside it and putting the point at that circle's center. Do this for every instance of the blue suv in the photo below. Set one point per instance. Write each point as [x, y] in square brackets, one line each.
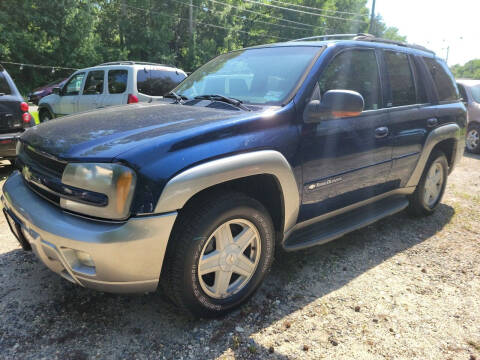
[284, 145]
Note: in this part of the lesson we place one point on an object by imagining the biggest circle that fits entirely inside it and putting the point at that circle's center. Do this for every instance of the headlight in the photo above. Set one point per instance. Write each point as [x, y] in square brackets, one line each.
[116, 182]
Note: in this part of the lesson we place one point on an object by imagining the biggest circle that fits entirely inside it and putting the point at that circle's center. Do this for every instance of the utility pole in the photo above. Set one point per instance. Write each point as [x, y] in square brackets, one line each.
[448, 52]
[190, 17]
[371, 27]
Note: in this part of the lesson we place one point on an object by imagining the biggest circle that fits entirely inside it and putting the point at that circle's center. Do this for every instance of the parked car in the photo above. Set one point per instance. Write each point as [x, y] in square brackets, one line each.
[113, 83]
[470, 92]
[40, 92]
[14, 116]
[285, 145]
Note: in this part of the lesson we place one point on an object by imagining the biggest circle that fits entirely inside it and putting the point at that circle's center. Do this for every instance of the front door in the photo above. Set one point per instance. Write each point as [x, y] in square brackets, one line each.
[93, 91]
[68, 102]
[347, 160]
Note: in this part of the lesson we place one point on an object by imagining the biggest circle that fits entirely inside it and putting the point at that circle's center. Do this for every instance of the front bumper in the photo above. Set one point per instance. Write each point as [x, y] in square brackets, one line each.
[127, 256]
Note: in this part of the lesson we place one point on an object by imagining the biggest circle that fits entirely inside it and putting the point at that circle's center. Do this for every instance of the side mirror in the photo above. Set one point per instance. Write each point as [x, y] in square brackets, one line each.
[56, 90]
[334, 104]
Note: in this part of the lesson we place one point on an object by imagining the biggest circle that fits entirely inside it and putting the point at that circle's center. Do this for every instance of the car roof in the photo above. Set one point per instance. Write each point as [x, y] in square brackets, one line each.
[468, 82]
[134, 65]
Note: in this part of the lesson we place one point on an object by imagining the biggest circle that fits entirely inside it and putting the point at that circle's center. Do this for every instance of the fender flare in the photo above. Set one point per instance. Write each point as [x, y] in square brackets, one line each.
[186, 184]
[449, 131]
[48, 107]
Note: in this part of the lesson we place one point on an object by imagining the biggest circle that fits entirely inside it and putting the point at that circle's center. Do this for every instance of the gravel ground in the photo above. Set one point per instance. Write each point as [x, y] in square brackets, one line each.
[399, 289]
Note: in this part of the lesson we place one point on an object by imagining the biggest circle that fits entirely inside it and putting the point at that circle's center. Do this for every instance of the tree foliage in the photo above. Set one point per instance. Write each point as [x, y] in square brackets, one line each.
[471, 70]
[82, 33]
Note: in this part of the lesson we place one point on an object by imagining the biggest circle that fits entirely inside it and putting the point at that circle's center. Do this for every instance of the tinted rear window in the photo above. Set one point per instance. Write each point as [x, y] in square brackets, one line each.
[117, 81]
[444, 81]
[401, 79]
[4, 87]
[157, 82]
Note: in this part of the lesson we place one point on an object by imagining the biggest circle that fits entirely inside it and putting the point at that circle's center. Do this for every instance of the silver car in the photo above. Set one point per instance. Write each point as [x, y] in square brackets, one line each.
[470, 92]
[113, 83]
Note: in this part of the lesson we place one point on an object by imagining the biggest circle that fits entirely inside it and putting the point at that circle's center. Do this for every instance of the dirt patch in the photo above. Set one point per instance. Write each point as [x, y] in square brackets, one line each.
[399, 289]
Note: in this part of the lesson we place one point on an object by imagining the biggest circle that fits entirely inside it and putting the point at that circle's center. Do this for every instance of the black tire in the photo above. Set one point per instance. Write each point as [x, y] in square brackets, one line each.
[418, 207]
[473, 132]
[45, 115]
[195, 226]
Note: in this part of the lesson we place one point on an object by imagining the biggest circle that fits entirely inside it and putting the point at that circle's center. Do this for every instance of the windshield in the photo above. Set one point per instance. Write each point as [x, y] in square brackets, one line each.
[476, 93]
[255, 76]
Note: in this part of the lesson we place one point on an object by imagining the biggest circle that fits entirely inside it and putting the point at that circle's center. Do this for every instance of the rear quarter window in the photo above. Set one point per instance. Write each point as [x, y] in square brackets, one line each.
[443, 79]
[157, 82]
[4, 87]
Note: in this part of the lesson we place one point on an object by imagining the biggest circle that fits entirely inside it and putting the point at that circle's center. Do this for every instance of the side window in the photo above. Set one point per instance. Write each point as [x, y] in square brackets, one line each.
[117, 81]
[4, 87]
[74, 85]
[420, 74]
[355, 70]
[401, 79]
[463, 93]
[443, 79]
[94, 83]
[157, 82]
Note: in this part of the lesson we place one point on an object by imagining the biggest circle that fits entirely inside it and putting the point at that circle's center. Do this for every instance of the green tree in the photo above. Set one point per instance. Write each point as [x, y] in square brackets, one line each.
[471, 70]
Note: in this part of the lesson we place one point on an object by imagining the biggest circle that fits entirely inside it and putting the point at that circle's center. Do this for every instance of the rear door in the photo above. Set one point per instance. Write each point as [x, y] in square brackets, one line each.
[412, 114]
[93, 91]
[10, 114]
[117, 81]
[347, 160]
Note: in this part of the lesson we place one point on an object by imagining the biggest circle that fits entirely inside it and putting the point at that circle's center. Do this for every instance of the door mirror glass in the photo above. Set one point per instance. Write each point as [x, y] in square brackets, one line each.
[334, 104]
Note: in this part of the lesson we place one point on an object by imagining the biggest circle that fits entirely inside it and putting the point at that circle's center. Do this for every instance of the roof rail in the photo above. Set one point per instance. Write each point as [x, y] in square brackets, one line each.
[328, 37]
[363, 37]
[372, 38]
[127, 62]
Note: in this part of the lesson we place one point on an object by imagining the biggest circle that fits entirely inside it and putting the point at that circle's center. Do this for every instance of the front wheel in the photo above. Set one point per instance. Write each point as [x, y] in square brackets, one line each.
[473, 138]
[222, 252]
[45, 115]
[430, 189]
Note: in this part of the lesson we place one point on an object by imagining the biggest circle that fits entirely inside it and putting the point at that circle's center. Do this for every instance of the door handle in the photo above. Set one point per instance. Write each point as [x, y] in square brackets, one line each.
[432, 122]
[381, 132]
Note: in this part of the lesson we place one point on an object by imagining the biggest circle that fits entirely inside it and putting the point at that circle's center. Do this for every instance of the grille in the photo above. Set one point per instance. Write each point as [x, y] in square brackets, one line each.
[33, 157]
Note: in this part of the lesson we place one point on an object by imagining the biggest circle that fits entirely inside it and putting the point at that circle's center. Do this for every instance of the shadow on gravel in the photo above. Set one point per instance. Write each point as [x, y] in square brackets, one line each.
[472, 156]
[42, 312]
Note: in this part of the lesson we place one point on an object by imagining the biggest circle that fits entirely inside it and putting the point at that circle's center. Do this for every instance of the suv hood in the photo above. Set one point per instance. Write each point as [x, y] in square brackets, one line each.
[105, 134]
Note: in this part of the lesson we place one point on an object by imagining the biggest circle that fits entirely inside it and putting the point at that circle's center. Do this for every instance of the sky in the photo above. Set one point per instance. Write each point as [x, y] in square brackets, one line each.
[437, 24]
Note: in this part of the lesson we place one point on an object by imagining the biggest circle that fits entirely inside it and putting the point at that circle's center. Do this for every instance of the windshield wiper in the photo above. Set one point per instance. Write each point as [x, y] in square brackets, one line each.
[226, 99]
[178, 98]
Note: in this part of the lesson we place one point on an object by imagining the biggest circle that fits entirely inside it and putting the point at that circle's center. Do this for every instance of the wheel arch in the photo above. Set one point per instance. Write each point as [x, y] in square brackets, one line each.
[253, 173]
[447, 138]
[46, 107]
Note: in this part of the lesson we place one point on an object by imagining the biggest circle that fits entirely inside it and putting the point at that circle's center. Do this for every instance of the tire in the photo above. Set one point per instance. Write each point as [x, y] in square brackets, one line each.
[473, 138]
[194, 247]
[45, 115]
[433, 182]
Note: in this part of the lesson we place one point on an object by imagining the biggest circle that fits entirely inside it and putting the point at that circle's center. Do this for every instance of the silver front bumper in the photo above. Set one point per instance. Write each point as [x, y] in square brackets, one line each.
[127, 256]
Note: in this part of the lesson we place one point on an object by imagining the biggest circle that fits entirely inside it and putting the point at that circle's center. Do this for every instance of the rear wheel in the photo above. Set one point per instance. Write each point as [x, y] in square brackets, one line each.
[222, 252]
[430, 189]
[473, 138]
[45, 115]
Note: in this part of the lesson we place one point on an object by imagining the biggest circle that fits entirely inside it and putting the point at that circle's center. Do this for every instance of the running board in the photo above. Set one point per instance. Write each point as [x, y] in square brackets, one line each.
[333, 228]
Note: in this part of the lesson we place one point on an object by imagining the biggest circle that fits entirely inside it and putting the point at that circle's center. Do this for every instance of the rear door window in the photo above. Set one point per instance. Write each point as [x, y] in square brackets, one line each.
[4, 87]
[443, 79]
[94, 83]
[355, 70]
[401, 79]
[117, 81]
[157, 82]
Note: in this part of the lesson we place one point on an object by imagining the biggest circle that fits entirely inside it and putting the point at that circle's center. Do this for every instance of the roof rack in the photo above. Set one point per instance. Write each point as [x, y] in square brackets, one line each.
[122, 62]
[364, 37]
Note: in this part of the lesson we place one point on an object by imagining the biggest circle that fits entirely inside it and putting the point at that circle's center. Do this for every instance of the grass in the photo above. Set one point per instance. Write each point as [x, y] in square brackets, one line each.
[35, 117]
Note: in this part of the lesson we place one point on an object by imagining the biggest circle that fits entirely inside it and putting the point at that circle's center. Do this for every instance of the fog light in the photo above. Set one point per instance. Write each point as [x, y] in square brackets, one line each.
[84, 258]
